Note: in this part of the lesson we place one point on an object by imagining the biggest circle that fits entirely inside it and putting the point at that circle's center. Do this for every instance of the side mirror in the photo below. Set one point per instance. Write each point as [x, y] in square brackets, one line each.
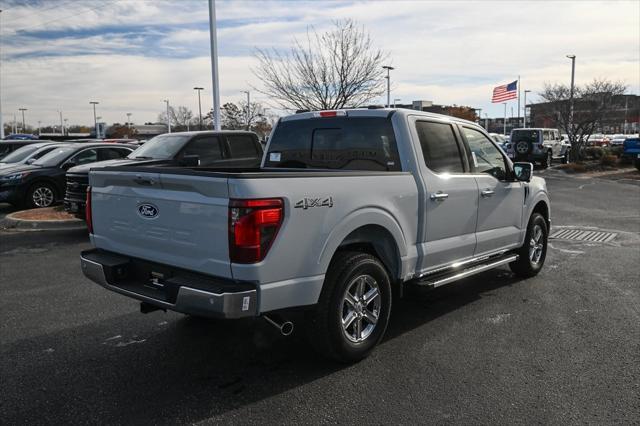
[31, 160]
[190, 161]
[523, 171]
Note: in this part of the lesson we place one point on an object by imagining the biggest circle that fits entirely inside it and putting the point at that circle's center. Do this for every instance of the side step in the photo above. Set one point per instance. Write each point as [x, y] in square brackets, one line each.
[441, 279]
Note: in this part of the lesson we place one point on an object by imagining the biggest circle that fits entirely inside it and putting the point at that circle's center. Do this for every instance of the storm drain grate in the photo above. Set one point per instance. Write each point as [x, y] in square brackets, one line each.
[582, 235]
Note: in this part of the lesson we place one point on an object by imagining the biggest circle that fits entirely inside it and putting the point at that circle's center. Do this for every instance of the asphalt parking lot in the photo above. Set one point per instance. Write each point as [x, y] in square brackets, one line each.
[563, 347]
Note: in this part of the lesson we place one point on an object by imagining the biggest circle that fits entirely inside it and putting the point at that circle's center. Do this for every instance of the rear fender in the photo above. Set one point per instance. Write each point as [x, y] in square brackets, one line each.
[359, 219]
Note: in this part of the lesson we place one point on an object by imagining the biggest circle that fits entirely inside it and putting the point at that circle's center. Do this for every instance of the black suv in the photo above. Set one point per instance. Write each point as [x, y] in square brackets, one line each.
[42, 183]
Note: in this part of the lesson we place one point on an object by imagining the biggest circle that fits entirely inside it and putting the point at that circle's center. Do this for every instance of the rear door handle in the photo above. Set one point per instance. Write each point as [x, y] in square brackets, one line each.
[438, 196]
[487, 192]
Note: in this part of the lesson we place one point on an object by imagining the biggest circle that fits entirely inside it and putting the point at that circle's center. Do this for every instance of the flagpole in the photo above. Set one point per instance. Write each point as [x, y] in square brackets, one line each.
[518, 124]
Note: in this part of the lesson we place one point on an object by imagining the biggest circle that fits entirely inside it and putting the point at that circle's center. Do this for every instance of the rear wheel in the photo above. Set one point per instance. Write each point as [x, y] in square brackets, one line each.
[353, 312]
[566, 159]
[41, 194]
[547, 160]
[534, 250]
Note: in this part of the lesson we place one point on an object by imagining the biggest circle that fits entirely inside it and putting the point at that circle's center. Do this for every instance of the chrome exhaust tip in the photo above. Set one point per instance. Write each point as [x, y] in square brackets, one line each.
[285, 327]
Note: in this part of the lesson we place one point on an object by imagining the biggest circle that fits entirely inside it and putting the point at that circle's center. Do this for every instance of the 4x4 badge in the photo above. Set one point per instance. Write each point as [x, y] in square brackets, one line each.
[306, 203]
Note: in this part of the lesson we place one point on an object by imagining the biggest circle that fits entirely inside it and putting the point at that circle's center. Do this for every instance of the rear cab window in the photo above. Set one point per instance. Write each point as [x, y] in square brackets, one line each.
[344, 143]
[440, 148]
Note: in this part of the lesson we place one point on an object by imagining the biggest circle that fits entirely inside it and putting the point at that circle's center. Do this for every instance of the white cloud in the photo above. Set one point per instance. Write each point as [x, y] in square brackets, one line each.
[448, 52]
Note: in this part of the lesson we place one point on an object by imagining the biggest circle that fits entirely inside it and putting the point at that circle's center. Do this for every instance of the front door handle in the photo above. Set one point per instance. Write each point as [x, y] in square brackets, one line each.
[143, 181]
[487, 192]
[438, 196]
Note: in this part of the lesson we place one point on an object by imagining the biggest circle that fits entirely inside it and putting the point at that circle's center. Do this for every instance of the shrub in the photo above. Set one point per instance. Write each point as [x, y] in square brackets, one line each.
[608, 160]
[594, 152]
[573, 168]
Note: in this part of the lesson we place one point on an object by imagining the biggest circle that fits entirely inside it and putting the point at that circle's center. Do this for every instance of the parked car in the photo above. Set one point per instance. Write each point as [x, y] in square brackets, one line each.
[42, 183]
[538, 145]
[21, 136]
[8, 146]
[27, 154]
[499, 139]
[597, 140]
[348, 208]
[225, 149]
[631, 150]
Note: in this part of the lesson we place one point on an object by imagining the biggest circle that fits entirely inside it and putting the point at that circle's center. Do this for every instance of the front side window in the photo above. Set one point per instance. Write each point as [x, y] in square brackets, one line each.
[486, 157]
[113, 153]
[206, 148]
[439, 147]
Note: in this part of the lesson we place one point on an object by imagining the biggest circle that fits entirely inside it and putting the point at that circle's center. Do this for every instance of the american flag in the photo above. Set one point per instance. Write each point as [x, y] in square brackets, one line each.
[505, 92]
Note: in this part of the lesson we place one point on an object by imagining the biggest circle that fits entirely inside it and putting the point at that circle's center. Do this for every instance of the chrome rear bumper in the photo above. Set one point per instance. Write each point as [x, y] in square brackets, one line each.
[189, 300]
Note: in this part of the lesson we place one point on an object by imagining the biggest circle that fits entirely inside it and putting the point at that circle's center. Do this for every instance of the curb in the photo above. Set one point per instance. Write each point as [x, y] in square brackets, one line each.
[10, 222]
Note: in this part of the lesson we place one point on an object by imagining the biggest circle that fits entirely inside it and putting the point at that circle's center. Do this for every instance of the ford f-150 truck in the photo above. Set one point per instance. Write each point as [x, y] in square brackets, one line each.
[347, 208]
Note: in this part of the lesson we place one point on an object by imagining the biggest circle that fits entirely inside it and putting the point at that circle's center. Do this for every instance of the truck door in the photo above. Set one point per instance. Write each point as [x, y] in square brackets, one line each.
[448, 226]
[500, 199]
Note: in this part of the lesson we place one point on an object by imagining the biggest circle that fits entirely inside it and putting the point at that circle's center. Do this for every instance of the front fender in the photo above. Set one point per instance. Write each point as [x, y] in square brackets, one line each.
[358, 219]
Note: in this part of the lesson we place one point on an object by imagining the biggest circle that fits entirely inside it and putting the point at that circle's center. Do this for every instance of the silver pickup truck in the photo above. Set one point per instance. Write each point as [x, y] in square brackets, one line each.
[347, 209]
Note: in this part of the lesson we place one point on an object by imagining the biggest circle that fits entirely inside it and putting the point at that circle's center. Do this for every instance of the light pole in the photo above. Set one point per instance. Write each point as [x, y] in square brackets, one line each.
[168, 116]
[61, 126]
[388, 68]
[23, 122]
[95, 119]
[525, 107]
[128, 120]
[504, 123]
[248, 108]
[214, 64]
[573, 75]
[199, 107]
[66, 126]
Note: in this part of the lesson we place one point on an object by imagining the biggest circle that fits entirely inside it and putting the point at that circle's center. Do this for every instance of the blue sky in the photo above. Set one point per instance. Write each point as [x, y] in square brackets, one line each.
[131, 54]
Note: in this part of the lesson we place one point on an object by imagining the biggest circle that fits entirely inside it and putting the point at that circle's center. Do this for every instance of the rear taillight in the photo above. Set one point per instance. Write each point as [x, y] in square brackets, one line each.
[87, 211]
[253, 226]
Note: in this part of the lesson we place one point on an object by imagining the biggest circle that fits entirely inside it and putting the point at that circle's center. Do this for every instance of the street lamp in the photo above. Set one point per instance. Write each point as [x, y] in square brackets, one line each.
[95, 119]
[23, 124]
[573, 74]
[504, 123]
[61, 125]
[168, 116]
[525, 107]
[388, 77]
[248, 109]
[128, 120]
[199, 106]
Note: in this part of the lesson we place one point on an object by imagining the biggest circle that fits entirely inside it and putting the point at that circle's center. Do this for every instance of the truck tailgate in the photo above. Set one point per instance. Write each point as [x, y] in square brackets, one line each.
[172, 219]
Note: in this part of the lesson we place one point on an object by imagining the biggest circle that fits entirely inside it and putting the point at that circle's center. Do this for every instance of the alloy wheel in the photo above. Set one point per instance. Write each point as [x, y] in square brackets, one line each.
[536, 244]
[361, 305]
[42, 196]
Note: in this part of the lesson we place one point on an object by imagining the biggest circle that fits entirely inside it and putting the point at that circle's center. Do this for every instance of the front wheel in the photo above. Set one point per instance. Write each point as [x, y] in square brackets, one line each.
[41, 195]
[534, 250]
[353, 312]
[547, 160]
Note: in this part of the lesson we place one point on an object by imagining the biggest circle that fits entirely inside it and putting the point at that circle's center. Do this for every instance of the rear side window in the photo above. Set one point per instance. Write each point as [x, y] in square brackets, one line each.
[439, 147]
[112, 153]
[207, 149]
[242, 146]
[85, 157]
[346, 143]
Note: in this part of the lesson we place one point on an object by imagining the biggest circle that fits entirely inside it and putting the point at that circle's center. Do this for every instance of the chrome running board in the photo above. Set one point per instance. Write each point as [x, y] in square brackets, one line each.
[438, 280]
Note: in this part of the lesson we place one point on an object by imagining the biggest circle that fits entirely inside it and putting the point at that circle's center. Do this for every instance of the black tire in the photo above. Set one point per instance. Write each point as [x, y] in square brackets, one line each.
[567, 157]
[41, 194]
[325, 323]
[546, 163]
[526, 266]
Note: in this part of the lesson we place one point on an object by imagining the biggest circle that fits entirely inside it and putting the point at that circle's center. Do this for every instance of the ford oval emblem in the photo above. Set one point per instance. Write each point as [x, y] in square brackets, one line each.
[147, 211]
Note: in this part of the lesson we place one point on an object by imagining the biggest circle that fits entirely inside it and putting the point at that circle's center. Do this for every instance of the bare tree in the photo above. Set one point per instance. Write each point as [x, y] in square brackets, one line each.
[336, 69]
[181, 117]
[592, 103]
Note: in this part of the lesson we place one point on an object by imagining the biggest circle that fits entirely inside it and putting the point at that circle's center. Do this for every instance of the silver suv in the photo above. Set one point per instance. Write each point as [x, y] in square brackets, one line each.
[538, 145]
